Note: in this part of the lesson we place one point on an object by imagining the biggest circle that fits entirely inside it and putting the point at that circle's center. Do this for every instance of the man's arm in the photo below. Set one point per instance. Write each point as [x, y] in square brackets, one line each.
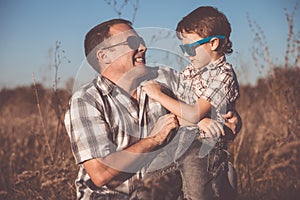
[120, 165]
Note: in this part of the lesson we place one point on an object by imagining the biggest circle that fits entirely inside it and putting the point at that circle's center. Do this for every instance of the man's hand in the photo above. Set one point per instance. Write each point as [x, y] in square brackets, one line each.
[120, 165]
[233, 121]
[163, 127]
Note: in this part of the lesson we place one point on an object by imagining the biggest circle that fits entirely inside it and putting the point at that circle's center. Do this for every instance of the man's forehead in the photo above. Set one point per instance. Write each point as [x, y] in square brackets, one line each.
[118, 33]
[119, 30]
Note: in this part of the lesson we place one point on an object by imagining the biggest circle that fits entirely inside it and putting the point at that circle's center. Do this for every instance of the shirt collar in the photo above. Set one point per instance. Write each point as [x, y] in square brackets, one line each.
[191, 70]
[217, 63]
[105, 85]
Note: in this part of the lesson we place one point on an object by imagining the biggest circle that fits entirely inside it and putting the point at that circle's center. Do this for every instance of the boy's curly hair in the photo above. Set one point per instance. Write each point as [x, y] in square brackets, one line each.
[207, 21]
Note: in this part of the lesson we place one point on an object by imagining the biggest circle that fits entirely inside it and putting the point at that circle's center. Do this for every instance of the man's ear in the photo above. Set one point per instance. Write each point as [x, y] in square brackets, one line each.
[215, 42]
[103, 57]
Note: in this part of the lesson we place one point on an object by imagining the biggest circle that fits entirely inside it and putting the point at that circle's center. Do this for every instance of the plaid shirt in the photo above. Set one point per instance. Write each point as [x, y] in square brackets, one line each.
[103, 119]
[216, 83]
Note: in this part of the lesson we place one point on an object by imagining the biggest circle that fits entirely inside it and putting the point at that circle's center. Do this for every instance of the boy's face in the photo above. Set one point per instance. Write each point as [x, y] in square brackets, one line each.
[203, 53]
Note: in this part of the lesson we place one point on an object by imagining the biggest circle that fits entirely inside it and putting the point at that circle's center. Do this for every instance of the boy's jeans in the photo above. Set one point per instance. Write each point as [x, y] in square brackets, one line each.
[210, 177]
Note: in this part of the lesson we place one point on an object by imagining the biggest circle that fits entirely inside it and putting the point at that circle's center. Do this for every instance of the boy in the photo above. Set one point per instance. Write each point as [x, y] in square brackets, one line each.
[204, 34]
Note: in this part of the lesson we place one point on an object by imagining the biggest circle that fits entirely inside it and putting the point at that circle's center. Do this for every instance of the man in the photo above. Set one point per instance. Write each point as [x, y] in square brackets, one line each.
[114, 128]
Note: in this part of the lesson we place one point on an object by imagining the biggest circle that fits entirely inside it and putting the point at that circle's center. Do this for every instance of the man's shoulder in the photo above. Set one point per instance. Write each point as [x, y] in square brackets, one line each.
[167, 76]
[163, 72]
[85, 90]
[166, 69]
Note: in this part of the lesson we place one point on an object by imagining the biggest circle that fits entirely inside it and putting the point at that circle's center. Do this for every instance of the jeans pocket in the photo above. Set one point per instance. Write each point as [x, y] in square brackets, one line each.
[215, 159]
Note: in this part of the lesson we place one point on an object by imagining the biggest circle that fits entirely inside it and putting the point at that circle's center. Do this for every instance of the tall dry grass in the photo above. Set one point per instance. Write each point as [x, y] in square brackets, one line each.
[36, 159]
[267, 150]
[28, 170]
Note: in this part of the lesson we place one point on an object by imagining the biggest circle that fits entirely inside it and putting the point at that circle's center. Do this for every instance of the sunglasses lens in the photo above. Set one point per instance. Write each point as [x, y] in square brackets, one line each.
[134, 42]
[190, 51]
[187, 49]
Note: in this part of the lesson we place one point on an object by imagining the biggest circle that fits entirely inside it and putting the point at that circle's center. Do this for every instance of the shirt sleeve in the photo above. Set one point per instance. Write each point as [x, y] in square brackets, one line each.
[173, 81]
[87, 130]
[169, 78]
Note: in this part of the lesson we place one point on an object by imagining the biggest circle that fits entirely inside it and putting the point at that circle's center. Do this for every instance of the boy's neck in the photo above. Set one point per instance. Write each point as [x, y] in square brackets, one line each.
[215, 56]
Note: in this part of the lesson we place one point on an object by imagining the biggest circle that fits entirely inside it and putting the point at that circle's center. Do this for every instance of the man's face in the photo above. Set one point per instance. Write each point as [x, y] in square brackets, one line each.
[124, 51]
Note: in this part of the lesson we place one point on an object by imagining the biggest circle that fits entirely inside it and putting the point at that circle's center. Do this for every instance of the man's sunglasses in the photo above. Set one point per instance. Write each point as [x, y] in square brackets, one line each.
[132, 41]
[190, 48]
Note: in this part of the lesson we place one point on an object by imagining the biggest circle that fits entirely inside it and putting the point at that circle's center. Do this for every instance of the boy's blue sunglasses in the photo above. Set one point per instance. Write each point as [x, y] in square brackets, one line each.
[190, 48]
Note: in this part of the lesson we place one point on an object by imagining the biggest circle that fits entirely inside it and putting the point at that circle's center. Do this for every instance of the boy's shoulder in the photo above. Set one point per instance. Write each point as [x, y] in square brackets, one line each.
[221, 68]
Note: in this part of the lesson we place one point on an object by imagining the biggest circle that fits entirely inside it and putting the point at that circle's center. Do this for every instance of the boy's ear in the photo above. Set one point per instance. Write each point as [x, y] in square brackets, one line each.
[215, 42]
[102, 56]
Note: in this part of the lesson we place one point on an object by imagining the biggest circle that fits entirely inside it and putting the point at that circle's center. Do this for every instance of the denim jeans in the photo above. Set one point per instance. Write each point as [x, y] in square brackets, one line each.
[209, 177]
[191, 177]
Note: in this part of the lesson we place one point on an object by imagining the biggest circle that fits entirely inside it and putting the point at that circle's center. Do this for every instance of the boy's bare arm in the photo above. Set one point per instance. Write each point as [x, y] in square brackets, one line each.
[190, 113]
[212, 128]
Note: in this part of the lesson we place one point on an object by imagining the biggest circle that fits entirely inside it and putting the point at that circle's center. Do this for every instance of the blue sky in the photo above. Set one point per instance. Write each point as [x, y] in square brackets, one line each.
[30, 29]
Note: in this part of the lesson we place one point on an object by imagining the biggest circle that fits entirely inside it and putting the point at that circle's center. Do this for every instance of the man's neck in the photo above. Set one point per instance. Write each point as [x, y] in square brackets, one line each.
[129, 85]
[129, 81]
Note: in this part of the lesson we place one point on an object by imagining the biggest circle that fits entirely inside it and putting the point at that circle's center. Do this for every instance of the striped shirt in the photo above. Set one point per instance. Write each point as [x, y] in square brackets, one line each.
[103, 119]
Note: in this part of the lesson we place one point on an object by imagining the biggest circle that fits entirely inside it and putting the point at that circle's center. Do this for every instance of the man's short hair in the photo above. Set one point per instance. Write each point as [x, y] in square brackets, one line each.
[96, 36]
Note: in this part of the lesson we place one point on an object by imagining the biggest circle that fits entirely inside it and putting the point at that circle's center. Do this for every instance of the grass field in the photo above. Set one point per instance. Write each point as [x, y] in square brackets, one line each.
[37, 163]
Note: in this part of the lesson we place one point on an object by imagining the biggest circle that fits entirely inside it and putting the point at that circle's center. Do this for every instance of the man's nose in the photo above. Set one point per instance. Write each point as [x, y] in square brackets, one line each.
[142, 48]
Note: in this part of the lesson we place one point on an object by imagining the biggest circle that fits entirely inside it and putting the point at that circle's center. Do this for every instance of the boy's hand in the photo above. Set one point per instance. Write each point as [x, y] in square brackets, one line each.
[153, 89]
[212, 128]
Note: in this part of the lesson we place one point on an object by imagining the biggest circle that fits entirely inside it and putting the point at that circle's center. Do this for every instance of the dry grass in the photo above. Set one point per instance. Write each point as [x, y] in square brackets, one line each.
[27, 169]
[266, 151]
